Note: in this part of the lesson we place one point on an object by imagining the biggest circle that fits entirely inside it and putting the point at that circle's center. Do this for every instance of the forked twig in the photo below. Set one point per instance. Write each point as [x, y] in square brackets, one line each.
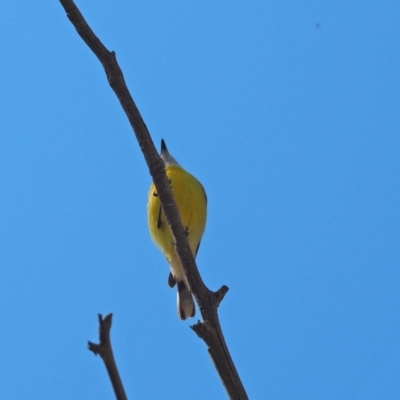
[104, 350]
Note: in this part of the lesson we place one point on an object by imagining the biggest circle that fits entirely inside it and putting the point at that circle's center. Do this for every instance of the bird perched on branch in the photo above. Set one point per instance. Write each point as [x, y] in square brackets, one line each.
[191, 200]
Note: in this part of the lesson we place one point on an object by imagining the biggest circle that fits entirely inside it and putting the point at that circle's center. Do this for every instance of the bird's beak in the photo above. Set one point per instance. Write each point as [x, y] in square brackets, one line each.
[163, 147]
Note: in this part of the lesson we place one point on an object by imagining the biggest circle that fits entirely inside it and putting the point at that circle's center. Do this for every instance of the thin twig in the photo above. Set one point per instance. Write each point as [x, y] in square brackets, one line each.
[208, 301]
[104, 350]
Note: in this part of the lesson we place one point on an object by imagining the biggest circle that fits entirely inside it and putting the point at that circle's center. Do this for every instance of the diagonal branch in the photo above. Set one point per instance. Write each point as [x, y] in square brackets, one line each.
[104, 350]
[208, 301]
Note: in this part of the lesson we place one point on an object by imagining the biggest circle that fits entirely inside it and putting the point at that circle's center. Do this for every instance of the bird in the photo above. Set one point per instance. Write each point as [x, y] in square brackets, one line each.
[191, 200]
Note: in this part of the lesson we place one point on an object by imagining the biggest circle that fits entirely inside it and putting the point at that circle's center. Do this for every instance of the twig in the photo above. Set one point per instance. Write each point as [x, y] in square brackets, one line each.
[208, 301]
[104, 350]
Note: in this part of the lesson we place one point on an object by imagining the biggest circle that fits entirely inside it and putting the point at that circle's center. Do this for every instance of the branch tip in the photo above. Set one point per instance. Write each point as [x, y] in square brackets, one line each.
[220, 294]
[197, 327]
[94, 348]
[104, 350]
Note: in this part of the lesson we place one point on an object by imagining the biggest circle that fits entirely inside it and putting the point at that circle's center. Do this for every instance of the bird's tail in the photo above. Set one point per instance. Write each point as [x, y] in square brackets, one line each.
[185, 301]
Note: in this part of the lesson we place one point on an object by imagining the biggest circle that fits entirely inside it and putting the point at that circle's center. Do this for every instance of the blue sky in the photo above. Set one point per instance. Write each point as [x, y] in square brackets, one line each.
[294, 132]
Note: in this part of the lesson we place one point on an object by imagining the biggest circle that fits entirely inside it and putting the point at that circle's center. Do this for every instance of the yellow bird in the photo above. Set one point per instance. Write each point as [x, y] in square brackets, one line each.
[191, 199]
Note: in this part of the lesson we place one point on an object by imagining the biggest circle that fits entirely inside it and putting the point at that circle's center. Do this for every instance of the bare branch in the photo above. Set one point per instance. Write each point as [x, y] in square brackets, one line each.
[208, 301]
[104, 350]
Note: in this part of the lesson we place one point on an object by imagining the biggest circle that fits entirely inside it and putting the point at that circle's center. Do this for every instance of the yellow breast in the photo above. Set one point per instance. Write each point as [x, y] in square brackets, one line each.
[191, 200]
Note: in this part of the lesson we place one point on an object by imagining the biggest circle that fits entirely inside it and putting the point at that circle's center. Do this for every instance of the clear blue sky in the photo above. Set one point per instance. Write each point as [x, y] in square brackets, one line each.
[294, 131]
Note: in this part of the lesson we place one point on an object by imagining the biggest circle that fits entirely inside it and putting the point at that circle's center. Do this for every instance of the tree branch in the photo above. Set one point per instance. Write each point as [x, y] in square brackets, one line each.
[208, 301]
[104, 350]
